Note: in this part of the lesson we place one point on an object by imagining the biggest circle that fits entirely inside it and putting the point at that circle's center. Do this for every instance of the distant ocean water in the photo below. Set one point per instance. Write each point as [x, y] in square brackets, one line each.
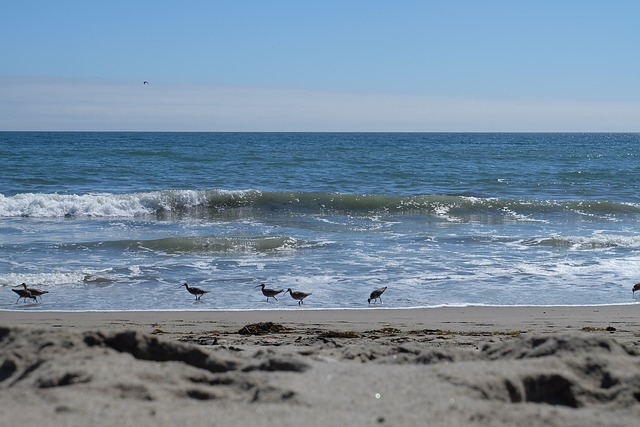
[118, 221]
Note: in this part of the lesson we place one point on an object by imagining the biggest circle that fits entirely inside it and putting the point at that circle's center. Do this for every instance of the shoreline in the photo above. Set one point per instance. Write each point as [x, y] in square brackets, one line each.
[536, 319]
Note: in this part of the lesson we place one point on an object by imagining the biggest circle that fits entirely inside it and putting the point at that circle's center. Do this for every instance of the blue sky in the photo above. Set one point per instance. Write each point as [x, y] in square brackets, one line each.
[458, 65]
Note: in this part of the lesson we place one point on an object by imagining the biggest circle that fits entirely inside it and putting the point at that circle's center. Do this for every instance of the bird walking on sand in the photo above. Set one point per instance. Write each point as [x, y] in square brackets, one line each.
[194, 291]
[269, 293]
[297, 295]
[636, 287]
[34, 292]
[377, 294]
[23, 293]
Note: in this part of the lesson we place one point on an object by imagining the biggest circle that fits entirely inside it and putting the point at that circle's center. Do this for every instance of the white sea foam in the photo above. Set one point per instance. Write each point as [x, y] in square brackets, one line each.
[521, 217]
[57, 205]
[596, 241]
[105, 205]
[48, 279]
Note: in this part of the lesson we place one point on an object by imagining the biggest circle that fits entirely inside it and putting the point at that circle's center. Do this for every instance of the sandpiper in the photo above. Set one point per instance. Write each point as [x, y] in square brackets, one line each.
[377, 294]
[194, 291]
[636, 287]
[269, 293]
[297, 295]
[34, 292]
[23, 293]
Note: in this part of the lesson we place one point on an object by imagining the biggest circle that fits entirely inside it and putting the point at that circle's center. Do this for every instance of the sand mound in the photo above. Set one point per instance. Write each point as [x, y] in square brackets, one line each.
[64, 377]
[557, 345]
[575, 371]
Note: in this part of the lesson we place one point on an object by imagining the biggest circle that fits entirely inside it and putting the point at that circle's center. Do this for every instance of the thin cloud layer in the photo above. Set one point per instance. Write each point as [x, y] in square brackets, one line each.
[33, 103]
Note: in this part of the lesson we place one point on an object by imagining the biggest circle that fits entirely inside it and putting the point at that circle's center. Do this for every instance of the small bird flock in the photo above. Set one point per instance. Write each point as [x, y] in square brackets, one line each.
[272, 293]
[24, 292]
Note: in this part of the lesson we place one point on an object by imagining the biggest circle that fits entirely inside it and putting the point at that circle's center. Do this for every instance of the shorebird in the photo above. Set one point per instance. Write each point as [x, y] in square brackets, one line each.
[34, 292]
[269, 293]
[297, 295]
[377, 294]
[195, 291]
[23, 293]
[636, 287]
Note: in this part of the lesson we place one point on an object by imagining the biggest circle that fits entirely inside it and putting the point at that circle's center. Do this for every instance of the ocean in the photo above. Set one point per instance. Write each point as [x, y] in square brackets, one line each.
[118, 221]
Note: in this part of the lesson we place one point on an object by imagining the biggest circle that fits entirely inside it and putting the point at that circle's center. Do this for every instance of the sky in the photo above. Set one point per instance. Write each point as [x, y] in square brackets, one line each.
[349, 65]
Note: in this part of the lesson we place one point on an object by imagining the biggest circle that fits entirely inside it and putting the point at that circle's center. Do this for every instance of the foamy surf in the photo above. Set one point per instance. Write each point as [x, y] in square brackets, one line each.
[128, 205]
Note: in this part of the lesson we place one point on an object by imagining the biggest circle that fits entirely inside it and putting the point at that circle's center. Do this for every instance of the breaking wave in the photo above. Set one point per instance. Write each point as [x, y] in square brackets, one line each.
[597, 241]
[200, 244]
[192, 202]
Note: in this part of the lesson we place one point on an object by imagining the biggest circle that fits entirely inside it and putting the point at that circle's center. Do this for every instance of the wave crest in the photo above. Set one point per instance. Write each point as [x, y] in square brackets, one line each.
[101, 205]
[597, 241]
[200, 244]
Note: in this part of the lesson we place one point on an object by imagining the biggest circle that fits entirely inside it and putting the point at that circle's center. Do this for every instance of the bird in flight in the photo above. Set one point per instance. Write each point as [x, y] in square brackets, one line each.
[145, 82]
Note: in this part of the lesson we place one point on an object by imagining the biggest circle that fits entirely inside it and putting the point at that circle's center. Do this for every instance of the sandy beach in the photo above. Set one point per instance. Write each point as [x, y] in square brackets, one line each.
[484, 366]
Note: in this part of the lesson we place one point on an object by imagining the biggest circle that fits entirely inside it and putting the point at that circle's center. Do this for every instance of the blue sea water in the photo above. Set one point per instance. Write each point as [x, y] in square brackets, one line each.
[118, 221]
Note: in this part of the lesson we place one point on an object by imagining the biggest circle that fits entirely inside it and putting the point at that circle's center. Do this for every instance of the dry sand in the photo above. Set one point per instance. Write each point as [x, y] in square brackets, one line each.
[475, 366]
